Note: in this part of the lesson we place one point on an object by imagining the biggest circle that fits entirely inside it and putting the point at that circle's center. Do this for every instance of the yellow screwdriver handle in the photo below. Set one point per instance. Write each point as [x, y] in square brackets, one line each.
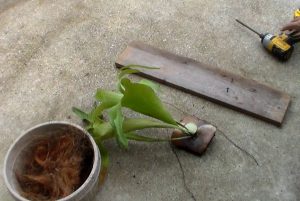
[280, 42]
[297, 13]
[283, 36]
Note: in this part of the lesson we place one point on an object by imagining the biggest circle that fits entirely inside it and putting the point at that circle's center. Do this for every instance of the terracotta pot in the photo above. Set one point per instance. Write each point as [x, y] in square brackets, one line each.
[86, 191]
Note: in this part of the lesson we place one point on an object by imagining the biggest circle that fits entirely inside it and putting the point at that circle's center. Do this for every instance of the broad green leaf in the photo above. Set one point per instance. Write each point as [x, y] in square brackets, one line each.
[107, 100]
[122, 74]
[102, 130]
[82, 115]
[130, 69]
[96, 117]
[116, 120]
[108, 96]
[99, 109]
[142, 123]
[141, 98]
[153, 85]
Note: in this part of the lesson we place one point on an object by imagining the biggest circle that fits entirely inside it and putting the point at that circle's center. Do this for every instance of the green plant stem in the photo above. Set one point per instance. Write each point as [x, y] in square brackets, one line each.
[140, 138]
[131, 125]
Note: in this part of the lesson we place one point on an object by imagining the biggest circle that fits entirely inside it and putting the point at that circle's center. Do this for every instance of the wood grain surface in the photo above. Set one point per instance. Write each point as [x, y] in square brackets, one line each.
[225, 88]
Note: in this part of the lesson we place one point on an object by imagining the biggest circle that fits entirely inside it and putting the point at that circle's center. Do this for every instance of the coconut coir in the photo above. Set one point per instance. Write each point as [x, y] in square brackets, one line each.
[55, 166]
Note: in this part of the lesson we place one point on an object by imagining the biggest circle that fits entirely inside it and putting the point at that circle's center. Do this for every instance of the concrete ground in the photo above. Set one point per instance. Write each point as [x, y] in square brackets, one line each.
[54, 54]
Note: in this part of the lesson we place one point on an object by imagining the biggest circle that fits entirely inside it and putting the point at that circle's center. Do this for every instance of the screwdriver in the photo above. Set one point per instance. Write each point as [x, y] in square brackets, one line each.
[281, 46]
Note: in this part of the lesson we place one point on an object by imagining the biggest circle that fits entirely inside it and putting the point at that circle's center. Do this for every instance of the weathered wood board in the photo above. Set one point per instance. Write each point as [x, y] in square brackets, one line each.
[202, 80]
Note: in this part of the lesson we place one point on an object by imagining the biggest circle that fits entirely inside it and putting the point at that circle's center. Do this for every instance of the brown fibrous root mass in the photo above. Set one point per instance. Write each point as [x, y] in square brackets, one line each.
[55, 166]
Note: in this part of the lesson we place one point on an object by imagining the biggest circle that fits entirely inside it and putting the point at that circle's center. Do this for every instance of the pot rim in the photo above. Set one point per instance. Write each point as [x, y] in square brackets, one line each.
[96, 161]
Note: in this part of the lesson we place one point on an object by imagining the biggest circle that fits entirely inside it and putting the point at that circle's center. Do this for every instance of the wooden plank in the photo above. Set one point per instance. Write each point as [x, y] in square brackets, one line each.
[205, 81]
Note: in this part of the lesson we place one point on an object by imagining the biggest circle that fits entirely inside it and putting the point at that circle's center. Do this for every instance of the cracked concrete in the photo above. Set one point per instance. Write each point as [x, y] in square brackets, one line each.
[183, 174]
[54, 54]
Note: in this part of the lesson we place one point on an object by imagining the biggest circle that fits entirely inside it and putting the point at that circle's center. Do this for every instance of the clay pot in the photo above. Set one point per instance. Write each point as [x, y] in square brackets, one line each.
[13, 159]
[200, 141]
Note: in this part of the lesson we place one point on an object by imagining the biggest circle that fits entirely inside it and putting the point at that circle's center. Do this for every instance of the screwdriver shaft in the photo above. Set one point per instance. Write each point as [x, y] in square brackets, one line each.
[248, 27]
